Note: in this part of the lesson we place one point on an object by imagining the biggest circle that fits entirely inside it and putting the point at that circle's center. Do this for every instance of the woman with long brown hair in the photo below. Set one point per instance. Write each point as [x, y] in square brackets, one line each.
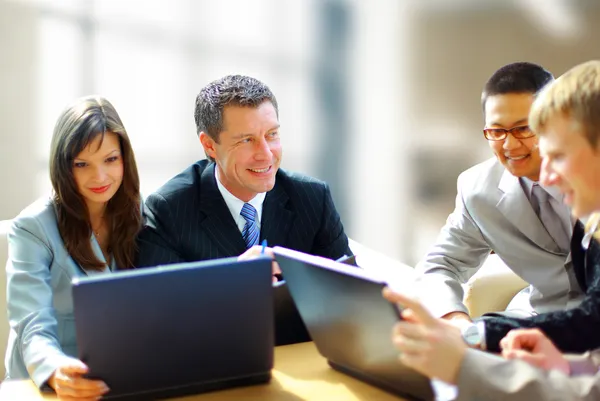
[88, 226]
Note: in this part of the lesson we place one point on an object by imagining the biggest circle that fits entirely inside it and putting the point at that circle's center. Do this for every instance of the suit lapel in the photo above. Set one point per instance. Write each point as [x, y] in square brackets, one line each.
[517, 209]
[579, 256]
[100, 256]
[276, 218]
[218, 224]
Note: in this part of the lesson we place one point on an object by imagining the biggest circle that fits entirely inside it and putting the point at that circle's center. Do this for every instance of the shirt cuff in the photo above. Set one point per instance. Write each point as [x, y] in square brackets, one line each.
[582, 364]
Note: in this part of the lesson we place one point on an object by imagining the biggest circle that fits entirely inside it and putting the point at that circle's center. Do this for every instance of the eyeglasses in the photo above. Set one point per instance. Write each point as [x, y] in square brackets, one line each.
[499, 134]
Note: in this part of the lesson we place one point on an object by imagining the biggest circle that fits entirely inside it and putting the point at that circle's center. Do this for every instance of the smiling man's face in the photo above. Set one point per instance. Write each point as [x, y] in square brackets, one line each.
[571, 164]
[248, 152]
[521, 157]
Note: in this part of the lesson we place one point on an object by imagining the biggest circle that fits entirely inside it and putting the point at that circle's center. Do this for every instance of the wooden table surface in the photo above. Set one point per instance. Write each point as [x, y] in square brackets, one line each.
[300, 374]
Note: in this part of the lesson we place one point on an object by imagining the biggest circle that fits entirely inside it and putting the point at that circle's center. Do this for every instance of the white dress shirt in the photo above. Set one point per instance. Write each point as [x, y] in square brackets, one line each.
[235, 205]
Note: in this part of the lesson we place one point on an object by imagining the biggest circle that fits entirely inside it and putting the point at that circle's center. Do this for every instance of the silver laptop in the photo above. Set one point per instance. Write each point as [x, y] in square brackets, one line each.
[177, 329]
[350, 321]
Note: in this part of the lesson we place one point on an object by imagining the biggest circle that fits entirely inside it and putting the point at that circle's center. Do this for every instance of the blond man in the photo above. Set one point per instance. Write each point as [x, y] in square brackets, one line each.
[566, 116]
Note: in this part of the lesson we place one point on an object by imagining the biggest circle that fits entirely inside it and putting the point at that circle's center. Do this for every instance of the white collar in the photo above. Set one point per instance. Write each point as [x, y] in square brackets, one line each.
[590, 231]
[235, 204]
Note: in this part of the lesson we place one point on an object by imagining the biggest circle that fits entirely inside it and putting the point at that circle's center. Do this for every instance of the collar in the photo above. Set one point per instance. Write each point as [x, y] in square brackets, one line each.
[591, 223]
[551, 190]
[235, 204]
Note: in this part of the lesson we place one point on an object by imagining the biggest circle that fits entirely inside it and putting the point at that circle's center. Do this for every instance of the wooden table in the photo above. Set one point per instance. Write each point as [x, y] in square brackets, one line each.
[300, 374]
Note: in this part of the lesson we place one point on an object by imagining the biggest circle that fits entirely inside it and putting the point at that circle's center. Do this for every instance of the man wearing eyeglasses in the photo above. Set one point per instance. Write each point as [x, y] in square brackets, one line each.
[566, 118]
[502, 207]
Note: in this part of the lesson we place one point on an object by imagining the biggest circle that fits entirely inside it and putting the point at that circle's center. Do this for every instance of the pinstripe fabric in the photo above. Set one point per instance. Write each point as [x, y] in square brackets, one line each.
[250, 231]
[188, 220]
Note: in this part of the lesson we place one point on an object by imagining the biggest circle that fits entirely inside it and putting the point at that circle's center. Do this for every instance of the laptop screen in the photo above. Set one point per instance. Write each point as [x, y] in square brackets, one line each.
[178, 327]
[350, 321]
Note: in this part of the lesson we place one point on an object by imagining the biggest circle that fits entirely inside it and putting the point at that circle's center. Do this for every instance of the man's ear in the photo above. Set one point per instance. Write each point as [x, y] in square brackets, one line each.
[208, 144]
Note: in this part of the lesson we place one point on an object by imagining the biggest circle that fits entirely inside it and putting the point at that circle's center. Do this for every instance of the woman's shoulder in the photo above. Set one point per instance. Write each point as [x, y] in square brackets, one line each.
[42, 209]
[37, 216]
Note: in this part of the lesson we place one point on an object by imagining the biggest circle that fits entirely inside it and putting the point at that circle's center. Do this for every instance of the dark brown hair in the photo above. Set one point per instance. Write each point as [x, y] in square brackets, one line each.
[76, 128]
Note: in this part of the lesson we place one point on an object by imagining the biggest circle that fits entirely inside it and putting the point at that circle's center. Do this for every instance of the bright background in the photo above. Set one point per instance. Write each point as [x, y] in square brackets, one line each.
[380, 98]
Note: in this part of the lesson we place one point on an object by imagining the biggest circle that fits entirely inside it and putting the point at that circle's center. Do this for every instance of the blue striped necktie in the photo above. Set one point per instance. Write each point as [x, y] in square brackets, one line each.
[250, 231]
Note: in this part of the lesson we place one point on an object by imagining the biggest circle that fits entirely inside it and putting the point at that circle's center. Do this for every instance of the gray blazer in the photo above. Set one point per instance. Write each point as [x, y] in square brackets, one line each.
[484, 376]
[493, 213]
[40, 307]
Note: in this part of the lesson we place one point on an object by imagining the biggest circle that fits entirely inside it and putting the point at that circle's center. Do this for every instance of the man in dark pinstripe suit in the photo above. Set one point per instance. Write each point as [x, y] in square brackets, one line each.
[202, 213]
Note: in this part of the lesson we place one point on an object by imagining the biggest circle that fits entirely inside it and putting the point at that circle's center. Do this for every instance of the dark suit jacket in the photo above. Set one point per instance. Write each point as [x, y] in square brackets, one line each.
[572, 330]
[188, 220]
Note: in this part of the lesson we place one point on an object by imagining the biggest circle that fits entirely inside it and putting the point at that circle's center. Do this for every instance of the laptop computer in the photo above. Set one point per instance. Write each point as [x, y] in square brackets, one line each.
[177, 329]
[350, 322]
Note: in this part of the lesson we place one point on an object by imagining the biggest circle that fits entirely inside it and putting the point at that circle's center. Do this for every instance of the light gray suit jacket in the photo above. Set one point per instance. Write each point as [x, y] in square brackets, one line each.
[493, 213]
[40, 307]
[484, 376]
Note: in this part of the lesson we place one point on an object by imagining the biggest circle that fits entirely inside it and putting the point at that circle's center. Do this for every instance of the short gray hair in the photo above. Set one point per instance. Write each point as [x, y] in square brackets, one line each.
[231, 90]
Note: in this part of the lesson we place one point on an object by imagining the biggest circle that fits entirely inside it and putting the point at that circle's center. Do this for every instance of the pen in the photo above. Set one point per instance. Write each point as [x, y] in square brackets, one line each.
[264, 245]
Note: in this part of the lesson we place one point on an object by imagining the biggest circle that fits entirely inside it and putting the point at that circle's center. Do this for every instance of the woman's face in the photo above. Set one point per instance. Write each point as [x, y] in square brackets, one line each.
[98, 170]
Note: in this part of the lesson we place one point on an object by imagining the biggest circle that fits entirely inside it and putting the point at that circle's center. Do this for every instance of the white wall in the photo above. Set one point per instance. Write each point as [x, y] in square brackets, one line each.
[19, 55]
[414, 74]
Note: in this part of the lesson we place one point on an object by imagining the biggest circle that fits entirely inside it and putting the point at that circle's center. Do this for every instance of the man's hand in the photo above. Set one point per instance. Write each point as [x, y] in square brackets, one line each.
[431, 346]
[255, 252]
[69, 384]
[532, 346]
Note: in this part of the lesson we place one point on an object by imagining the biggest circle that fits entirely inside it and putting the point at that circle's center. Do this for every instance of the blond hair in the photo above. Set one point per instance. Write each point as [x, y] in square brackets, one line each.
[576, 95]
